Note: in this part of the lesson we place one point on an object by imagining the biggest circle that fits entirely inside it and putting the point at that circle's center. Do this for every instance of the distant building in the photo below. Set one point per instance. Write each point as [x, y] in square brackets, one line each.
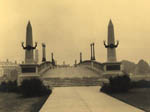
[9, 70]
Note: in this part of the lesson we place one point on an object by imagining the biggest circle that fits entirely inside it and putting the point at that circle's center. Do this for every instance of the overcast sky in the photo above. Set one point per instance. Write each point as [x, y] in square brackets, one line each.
[67, 27]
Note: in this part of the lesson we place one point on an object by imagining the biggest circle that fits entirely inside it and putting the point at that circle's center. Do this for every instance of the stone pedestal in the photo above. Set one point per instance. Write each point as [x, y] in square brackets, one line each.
[114, 66]
[28, 71]
[112, 69]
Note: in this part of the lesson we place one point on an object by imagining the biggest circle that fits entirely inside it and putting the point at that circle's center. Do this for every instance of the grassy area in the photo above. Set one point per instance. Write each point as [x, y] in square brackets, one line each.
[12, 102]
[139, 97]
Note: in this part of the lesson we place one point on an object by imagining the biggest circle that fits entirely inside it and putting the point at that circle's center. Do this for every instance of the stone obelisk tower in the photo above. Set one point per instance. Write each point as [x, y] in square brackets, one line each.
[111, 47]
[29, 58]
[111, 67]
[30, 66]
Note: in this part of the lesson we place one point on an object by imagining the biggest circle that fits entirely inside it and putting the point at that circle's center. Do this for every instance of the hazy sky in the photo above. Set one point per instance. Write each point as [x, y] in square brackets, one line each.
[69, 26]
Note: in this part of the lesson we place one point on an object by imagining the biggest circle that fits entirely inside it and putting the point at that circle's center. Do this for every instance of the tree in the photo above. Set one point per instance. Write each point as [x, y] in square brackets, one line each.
[142, 67]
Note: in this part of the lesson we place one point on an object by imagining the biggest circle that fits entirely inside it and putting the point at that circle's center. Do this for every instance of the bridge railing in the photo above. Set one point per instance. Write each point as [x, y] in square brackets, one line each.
[93, 65]
[43, 67]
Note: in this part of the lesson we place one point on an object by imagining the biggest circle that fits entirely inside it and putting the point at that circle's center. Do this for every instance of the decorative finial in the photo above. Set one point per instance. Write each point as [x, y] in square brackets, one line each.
[28, 21]
[110, 22]
[29, 24]
[43, 44]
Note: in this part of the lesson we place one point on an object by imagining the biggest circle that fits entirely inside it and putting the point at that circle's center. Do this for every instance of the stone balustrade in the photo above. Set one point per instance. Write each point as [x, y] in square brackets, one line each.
[94, 64]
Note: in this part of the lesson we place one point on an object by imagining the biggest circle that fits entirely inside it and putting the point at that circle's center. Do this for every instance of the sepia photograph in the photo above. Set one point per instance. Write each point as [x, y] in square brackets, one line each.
[74, 56]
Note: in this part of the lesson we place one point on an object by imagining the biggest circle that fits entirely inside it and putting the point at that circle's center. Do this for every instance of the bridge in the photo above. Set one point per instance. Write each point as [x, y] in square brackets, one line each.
[81, 75]
[87, 73]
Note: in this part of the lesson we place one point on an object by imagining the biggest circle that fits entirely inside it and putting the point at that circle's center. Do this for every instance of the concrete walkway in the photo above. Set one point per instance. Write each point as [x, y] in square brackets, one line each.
[84, 99]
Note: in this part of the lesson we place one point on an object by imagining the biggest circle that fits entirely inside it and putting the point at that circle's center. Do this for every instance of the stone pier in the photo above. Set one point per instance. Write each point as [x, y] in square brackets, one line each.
[43, 52]
[80, 57]
[53, 61]
[29, 69]
[93, 52]
[75, 63]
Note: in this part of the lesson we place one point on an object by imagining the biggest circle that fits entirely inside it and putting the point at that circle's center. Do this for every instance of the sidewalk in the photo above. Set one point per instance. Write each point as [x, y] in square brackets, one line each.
[84, 99]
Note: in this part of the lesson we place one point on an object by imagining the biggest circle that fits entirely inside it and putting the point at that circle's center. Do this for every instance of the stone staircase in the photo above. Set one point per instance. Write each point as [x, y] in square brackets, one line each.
[68, 82]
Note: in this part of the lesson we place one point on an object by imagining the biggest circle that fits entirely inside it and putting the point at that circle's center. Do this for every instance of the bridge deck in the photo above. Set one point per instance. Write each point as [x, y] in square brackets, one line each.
[70, 72]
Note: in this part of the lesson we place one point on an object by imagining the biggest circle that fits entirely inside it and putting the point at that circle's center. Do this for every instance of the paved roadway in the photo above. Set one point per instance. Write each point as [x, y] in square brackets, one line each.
[84, 99]
[70, 72]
